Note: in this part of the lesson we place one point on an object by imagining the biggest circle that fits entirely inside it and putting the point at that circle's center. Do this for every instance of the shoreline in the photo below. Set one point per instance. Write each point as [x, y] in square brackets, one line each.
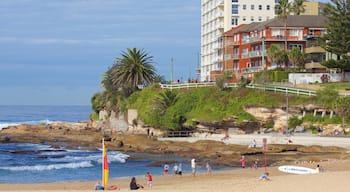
[333, 179]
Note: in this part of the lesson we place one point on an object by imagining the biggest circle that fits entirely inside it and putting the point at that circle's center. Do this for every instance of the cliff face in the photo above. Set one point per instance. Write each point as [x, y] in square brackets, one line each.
[268, 119]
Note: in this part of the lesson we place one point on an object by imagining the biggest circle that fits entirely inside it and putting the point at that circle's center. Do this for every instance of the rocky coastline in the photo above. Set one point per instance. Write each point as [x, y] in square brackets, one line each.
[81, 136]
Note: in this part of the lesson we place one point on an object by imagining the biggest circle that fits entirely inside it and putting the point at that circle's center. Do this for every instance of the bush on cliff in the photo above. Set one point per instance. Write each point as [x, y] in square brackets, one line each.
[203, 104]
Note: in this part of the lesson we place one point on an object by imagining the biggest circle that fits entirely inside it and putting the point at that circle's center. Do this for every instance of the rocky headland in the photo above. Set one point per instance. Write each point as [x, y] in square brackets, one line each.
[81, 136]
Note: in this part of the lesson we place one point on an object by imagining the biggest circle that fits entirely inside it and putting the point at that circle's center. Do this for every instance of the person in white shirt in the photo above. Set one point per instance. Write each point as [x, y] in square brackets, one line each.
[193, 166]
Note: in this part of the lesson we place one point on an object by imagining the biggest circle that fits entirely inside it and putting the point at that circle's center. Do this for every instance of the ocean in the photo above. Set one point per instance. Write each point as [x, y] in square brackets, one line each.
[33, 163]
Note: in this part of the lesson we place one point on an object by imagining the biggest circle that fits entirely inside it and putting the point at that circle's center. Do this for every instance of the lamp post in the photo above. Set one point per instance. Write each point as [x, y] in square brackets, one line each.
[263, 53]
[172, 73]
[287, 109]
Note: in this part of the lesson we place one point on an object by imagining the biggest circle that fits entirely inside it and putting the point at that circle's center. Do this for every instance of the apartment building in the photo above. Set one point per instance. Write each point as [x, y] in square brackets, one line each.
[218, 16]
[244, 47]
[313, 8]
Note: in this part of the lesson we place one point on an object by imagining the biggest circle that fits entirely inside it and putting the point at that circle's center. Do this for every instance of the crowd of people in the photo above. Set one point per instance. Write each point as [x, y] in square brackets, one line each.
[177, 170]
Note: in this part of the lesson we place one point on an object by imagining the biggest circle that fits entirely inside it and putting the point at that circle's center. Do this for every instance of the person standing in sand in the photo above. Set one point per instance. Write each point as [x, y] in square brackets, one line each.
[180, 169]
[166, 169]
[208, 168]
[193, 166]
[176, 169]
[243, 161]
[149, 180]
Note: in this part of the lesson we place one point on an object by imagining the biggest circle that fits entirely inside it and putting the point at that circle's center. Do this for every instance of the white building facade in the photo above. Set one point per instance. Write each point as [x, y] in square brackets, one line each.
[218, 16]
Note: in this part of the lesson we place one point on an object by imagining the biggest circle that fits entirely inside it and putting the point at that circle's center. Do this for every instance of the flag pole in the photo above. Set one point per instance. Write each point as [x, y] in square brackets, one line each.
[103, 156]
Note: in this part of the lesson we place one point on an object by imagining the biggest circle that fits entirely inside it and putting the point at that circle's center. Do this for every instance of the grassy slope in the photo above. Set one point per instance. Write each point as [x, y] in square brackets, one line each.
[207, 104]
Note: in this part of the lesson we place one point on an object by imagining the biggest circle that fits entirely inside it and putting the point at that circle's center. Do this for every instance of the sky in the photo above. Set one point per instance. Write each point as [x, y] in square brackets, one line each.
[54, 52]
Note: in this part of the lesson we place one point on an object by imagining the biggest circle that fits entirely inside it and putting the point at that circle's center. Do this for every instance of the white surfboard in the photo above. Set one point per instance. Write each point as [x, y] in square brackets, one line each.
[296, 169]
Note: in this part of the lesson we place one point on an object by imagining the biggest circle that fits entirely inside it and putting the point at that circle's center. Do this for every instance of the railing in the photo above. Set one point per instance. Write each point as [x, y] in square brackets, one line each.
[179, 133]
[288, 90]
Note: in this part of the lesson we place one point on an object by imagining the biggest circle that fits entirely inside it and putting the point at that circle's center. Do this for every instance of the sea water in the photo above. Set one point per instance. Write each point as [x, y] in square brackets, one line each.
[30, 163]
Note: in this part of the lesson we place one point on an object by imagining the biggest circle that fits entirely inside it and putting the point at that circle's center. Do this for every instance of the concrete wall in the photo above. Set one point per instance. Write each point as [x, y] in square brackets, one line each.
[306, 78]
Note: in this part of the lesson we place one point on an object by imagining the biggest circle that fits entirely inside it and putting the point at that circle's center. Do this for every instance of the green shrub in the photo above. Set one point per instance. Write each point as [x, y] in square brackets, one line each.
[294, 121]
[94, 116]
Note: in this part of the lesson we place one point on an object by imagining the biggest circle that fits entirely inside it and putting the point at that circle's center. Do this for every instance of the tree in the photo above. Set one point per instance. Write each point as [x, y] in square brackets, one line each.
[342, 107]
[222, 80]
[337, 38]
[326, 97]
[167, 98]
[297, 57]
[132, 69]
[298, 7]
[277, 55]
[283, 9]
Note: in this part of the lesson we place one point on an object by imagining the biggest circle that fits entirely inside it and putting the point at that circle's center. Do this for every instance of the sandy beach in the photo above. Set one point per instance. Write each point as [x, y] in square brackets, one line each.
[334, 178]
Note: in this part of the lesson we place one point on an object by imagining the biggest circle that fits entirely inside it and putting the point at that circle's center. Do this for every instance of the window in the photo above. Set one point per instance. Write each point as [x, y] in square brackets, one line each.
[260, 7]
[300, 46]
[252, 7]
[234, 1]
[267, 7]
[244, 7]
[234, 9]
[234, 21]
[244, 18]
[276, 1]
[252, 18]
[267, 18]
[259, 18]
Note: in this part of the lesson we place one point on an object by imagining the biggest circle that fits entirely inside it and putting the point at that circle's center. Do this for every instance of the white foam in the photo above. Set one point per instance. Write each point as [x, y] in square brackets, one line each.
[49, 167]
[8, 124]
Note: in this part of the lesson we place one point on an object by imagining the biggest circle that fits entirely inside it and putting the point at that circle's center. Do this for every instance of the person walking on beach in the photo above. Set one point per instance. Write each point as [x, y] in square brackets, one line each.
[208, 166]
[149, 180]
[243, 161]
[176, 169]
[166, 169]
[193, 166]
[180, 169]
[255, 166]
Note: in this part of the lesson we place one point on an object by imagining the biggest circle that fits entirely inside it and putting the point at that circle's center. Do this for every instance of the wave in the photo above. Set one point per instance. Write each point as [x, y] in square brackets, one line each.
[7, 124]
[113, 156]
[83, 164]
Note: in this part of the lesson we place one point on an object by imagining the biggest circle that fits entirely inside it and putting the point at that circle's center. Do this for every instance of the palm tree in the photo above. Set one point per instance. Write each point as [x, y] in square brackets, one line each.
[132, 69]
[277, 55]
[283, 9]
[297, 57]
[298, 6]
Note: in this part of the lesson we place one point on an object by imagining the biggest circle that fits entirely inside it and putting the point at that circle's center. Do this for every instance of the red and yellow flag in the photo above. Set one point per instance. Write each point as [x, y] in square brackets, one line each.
[104, 165]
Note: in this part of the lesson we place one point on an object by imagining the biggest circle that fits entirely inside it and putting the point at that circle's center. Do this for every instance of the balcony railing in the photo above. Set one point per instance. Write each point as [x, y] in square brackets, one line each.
[252, 69]
[231, 56]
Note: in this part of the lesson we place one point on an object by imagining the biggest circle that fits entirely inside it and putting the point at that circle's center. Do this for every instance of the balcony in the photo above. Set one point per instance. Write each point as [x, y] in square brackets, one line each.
[217, 46]
[283, 38]
[218, 26]
[316, 49]
[220, 3]
[252, 69]
[231, 56]
[314, 65]
[219, 15]
[230, 43]
[252, 39]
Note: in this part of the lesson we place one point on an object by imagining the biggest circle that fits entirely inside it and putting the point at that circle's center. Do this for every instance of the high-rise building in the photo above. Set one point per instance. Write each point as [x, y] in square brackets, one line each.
[218, 16]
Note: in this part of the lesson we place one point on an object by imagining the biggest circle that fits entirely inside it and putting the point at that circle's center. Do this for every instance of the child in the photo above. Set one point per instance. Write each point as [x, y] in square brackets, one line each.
[166, 169]
[149, 180]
